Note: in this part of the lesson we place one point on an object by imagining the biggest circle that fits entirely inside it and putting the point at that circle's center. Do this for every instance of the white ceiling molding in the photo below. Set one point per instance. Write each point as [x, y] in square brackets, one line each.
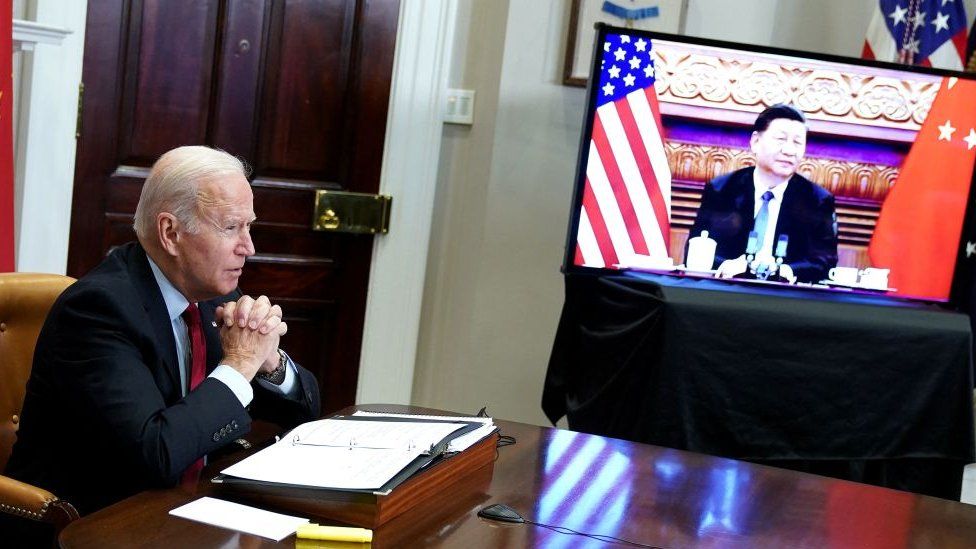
[27, 34]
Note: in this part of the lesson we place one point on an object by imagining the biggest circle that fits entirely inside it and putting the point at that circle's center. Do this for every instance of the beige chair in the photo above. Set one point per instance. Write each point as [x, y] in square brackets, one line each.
[25, 299]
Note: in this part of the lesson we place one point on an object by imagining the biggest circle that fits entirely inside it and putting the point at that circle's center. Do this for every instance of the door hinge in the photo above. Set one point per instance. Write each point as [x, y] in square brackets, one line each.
[81, 104]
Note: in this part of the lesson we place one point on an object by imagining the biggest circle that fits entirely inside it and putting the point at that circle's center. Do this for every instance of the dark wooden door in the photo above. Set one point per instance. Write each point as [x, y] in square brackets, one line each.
[299, 89]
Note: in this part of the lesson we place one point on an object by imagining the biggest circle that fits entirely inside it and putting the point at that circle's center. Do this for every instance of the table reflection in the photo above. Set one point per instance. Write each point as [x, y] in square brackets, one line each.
[591, 484]
[724, 500]
[587, 486]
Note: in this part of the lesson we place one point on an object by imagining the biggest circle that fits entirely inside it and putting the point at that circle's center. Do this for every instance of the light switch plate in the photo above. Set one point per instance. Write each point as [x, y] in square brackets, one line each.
[459, 107]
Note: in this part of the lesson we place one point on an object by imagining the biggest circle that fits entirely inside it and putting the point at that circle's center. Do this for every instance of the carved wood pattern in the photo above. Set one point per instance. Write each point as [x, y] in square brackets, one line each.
[824, 91]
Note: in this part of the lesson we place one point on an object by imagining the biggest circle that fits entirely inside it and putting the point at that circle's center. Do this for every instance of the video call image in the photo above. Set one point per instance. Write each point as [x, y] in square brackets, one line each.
[732, 163]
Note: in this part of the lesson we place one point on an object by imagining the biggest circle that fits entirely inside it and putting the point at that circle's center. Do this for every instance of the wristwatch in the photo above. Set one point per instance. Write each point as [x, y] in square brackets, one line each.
[276, 376]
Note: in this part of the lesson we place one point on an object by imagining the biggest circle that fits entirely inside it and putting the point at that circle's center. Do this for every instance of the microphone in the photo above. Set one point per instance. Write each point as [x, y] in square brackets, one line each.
[781, 245]
[780, 253]
[752, 248]
[752, 245]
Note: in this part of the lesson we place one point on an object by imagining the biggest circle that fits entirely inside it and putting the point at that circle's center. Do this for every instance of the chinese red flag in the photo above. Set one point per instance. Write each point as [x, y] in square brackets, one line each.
[6, 139]
[921, 220]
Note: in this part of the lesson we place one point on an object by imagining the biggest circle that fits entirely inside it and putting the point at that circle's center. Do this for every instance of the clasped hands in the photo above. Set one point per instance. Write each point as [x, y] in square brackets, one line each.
[733, 267]
[250, 330]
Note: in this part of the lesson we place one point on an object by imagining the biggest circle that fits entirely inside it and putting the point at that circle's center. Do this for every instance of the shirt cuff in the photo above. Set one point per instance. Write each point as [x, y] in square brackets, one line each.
[235, 381]
[289, 385]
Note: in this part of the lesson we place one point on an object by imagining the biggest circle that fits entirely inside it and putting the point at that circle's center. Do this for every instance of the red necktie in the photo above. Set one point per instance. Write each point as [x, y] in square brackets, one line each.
[198, 371]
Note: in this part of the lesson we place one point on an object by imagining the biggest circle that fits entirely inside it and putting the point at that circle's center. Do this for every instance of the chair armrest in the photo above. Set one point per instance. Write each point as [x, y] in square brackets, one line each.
[23, 500]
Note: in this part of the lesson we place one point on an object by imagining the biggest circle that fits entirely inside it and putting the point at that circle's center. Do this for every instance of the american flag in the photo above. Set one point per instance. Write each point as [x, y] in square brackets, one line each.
[627, 193]
[931, 33]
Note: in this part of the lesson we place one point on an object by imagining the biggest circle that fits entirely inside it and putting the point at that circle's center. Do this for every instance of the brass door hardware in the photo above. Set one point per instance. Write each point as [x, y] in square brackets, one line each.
[347, 212]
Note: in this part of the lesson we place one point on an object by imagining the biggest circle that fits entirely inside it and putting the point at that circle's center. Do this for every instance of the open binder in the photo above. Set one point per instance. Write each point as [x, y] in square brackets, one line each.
[411, 475]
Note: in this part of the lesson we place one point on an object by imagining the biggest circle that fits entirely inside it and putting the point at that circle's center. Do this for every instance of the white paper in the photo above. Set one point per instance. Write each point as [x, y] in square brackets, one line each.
[350, 462]
[242, 518]
[323, 466]
[460, 443]
[468, 440]
[400, 435]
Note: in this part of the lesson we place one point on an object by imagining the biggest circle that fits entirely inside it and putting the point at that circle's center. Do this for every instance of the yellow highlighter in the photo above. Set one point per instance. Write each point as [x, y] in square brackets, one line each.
[334, 533]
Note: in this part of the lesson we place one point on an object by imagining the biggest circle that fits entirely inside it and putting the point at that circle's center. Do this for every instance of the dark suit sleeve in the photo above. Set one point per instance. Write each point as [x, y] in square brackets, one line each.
[821, 240]
[271, 405]
[102, 353]
[719, 215]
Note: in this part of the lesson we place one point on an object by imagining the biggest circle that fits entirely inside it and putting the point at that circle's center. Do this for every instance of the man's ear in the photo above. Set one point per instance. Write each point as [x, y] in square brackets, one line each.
[168, 229]
[753, 139]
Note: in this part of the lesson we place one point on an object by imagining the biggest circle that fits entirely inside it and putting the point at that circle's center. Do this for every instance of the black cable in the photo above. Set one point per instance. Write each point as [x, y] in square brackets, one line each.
[503, 440]
[598, 537]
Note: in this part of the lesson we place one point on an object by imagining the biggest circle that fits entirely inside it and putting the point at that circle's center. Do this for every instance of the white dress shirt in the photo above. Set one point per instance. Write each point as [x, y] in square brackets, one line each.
[769, 239]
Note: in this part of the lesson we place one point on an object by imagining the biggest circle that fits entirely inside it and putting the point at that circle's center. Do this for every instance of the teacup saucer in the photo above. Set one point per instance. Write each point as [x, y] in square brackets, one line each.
[838, 283]
[686, 270]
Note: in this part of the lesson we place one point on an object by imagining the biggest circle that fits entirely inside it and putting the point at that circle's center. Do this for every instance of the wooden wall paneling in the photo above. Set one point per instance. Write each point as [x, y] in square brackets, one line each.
[240, 59]
[369, 98]
[302, 110]
[169, 69]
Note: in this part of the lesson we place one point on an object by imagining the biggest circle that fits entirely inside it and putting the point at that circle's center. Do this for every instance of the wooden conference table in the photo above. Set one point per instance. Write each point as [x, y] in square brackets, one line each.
[656, 496]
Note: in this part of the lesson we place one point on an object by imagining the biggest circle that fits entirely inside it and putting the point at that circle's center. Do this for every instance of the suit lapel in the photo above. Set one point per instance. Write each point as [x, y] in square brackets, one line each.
[152, 300]
[746, 201]
[787, 215]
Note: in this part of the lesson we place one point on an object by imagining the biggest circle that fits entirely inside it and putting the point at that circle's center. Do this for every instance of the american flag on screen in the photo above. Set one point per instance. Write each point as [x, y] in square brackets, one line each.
[931, 33]
[627, 193]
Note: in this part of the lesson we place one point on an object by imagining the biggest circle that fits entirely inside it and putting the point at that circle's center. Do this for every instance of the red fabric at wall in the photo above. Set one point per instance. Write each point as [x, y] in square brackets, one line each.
[6, 139]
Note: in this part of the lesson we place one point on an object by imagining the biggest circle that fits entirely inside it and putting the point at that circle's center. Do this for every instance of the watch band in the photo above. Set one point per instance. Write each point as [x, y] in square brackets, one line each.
[276, 376]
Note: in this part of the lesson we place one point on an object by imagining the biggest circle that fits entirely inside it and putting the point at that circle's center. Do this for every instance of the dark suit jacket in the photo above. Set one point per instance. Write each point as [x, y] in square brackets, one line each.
[806, 216]
[104, 417]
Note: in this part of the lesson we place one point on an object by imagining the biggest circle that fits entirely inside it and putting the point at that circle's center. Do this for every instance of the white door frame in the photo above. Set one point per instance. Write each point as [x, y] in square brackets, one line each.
[425, 35]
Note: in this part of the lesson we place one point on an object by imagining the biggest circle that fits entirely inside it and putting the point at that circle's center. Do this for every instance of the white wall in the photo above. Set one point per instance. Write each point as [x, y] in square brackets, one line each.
[493, 286]
[827, 26]
[44, 151]
[494, 291]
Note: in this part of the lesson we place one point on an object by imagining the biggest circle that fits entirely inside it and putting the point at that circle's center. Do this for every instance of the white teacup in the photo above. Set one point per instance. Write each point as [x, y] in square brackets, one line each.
[701, 253]
[874, 278]
[843, 275]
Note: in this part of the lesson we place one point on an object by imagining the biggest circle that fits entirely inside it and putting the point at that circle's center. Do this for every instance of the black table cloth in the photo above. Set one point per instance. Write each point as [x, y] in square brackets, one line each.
[855, 386]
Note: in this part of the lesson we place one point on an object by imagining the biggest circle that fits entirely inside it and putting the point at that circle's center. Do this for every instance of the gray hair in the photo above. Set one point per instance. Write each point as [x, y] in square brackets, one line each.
[173, 185]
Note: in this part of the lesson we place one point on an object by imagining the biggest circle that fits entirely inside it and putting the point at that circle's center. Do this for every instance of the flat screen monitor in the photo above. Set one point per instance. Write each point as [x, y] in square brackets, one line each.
[703, 158]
